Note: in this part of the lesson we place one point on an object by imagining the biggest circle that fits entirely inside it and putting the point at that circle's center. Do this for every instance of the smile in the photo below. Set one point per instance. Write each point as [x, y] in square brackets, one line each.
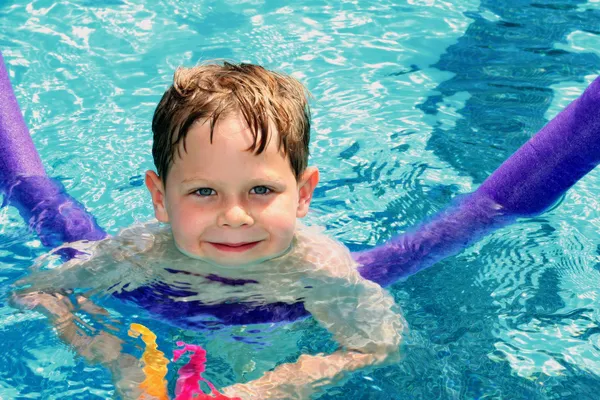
[234, 247]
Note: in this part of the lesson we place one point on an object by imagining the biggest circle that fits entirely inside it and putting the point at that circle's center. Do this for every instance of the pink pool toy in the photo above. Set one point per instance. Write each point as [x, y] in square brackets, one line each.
[190, 375]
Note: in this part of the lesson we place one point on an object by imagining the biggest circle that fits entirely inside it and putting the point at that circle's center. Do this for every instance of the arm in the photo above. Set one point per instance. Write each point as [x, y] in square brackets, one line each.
[83, 325]
[301, 379]
[362, 318]
[92, 341]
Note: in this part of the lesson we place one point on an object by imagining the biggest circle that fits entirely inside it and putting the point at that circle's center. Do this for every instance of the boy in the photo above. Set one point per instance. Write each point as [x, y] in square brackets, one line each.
[231, 152]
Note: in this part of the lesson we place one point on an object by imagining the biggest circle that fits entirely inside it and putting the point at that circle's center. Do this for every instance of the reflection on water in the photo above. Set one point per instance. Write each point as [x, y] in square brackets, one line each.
[415, 103]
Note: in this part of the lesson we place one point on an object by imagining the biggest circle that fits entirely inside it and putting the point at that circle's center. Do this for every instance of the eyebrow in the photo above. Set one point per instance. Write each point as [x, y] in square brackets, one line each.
[194, 178]
[277, 181]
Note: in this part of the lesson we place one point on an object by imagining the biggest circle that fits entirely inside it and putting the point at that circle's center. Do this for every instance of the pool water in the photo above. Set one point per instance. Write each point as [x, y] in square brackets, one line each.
[415, 102]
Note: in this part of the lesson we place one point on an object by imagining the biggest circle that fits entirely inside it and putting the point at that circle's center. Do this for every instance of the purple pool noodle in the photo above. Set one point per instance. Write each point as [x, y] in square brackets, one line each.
[17, 153]
[526, 184]
[51, 213]
[447, 233]
[42, 202]
[562, 152]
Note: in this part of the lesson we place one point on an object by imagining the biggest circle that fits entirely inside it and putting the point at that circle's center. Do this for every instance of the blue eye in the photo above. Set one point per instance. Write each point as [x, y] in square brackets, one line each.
[204, 192]
[260, 190]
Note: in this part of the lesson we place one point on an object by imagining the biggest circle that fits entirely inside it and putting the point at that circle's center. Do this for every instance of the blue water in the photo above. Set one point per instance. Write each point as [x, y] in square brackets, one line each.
[415, 102]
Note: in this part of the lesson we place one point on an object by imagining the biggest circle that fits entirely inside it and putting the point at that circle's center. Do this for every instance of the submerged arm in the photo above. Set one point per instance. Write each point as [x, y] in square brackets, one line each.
[85, 326]
[301, 379]
[362, 318]
[91, 337]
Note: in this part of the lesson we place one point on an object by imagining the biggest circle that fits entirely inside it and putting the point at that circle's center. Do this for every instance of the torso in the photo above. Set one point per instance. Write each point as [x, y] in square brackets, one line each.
[195, 294]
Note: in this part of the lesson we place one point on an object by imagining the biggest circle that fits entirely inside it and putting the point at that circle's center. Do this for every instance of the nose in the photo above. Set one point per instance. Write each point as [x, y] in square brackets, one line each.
[235, 216]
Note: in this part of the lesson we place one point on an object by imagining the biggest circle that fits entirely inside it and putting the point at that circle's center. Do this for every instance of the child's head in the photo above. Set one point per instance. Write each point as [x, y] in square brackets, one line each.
[231, 150]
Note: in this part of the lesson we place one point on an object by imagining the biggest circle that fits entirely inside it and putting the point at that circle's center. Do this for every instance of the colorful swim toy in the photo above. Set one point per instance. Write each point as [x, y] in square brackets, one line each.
[155, 363]
[190, 375]
[526, 184]
[155, 370]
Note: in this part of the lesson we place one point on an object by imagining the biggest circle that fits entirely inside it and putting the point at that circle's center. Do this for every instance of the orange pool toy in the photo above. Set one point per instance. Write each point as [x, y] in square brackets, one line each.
[155, 363]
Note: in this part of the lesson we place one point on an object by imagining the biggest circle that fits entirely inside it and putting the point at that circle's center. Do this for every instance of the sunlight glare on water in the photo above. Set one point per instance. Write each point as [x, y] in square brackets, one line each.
[415, 103]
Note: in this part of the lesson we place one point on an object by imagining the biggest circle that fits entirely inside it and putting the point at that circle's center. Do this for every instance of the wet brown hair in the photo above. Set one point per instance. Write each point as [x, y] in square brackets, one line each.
[214, 90]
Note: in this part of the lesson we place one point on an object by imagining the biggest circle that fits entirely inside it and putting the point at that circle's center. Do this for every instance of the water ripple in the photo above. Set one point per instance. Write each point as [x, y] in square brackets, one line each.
[405, 95]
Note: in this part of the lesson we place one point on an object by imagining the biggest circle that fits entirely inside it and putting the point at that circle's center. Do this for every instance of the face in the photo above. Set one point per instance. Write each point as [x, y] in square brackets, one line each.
[227, 205]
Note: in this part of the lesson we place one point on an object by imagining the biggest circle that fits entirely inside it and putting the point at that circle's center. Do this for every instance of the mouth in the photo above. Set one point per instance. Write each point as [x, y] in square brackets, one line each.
[234, 247]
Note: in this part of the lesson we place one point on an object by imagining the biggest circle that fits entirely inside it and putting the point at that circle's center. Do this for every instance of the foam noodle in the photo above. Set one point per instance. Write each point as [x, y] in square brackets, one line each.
[155, 363]
[42, 202]
[526, 184]
[19, 156]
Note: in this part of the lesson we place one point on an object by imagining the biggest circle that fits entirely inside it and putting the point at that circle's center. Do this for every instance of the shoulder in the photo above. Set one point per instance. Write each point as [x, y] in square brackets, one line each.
[135, 239]
[98, 263]
[324, 251]
[141, 237]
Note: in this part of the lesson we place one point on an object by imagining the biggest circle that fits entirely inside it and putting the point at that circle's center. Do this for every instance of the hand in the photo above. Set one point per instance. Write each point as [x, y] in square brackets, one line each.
[128, 375]
[278, 384]
[303, 378]
[243, 391]
[54, 305]
[95, 345]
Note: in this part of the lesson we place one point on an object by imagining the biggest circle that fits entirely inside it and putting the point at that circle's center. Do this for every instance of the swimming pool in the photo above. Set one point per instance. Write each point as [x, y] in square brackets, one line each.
[415, 103]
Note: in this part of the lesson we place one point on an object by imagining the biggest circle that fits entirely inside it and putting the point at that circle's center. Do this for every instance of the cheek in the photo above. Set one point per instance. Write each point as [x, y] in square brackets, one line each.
[281, 231]
[185, 218]
[280, 219]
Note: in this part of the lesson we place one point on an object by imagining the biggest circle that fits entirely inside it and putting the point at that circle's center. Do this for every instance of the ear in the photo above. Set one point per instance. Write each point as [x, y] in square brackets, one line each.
[157, 191]
[306, 187]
